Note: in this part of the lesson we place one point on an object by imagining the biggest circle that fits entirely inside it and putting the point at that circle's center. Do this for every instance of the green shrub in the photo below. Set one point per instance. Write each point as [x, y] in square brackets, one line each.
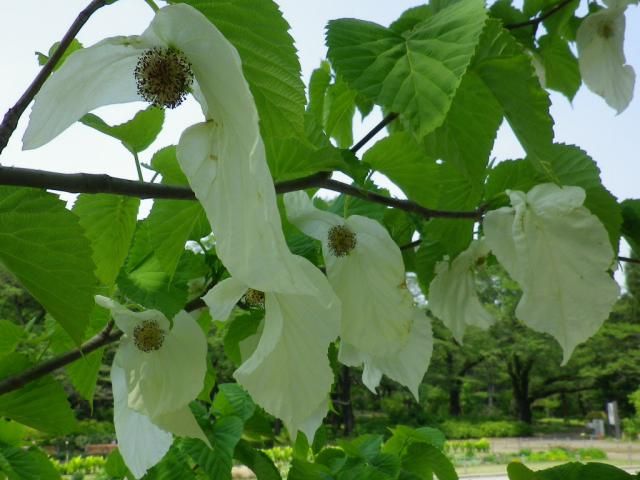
[591, 454]
[77, 467]
[497, 428]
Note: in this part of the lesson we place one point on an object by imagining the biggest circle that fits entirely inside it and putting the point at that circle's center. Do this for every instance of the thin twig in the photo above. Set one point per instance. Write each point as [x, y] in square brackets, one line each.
[629, 260]
[383, 123]
[10, 121]
[534, 22]
[92, 183]
[105, 337]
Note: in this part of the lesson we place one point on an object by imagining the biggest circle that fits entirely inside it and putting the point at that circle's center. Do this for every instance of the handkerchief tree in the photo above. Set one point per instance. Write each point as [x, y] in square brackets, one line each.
[299, 283]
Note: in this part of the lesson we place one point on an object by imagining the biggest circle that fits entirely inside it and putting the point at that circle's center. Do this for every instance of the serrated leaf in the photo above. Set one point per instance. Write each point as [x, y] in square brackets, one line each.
[109, 222]
[339, 109]
[115, 466]
[402, 159]
[233, 400]
[416, 73]
[43, 245]
[517, 471]
[318, 84]
[303, 470]
[631, 223]
[171, 223]
[269, 60]
[174, 465]
[41, 404]
[136, 134]
[73, 46]
[423, 459]
[217, 461]
[31, 464]
[561, 66]
[506, 70]
[165, 162]
[512, 175]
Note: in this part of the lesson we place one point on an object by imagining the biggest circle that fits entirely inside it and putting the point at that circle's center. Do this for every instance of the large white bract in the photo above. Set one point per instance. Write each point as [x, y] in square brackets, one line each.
[381, 327]
[560, 254]
[157, 371]
[452, 293]
[600, 42]
[288, 373]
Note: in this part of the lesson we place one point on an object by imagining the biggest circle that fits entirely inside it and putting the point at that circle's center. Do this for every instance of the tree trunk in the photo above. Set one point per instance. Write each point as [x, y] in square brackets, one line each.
[454, 387]
[348, 419]
[519, 372]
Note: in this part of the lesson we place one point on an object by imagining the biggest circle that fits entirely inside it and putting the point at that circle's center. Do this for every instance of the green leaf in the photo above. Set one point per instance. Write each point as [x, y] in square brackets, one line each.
[506, 70]
[240, 328]
[258, 462]
[600, 471]
[31, 464]
[73, 46]
[41, 404]
[10, 336]
[517, 471]
[423, 459]
[136, 134]
[115, 466]
[217, 461]
[416, 73]
[466, 138]
[109, 222]
[318, 84]
[561, 66]
[339, 109]
[165, 162]
[303, 470]
[171, 223]
[233, 400]
[509, 175]
[631, 223]
[173, 465]
[404, 436]
[43, 245]
[269, 60]
[404, 162]
[508, 14]
[569, 165]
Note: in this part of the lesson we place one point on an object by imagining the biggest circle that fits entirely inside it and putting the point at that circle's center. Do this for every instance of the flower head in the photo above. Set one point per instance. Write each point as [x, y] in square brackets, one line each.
[365, 268]
[288, 374]
[164, 367]
[600, 42]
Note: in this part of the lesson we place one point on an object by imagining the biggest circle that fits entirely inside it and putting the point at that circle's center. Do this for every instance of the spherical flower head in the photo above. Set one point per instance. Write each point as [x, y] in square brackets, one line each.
[163, 76]
[148, 336]
[254, 298]
[342, 240]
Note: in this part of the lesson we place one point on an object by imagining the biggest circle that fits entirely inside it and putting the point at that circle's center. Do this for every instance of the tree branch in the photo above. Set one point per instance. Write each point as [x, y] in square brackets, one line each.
[534, 22]
[92, 183]
[383, 123]
[105, 337]
[10, 121]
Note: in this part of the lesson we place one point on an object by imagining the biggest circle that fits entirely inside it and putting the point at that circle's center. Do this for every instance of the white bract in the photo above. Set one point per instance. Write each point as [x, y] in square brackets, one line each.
[164, 367]
[600, 42]
[452, 293]
[288, 374]
[223, 158]
[559, 253]
[365, 268]
[156, 373]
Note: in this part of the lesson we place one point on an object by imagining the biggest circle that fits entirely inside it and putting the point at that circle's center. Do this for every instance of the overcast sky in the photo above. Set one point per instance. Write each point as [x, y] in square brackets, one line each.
[30, 25]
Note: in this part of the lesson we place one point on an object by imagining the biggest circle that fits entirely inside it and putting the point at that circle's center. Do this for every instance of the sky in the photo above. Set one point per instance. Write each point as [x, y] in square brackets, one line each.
[34, 25]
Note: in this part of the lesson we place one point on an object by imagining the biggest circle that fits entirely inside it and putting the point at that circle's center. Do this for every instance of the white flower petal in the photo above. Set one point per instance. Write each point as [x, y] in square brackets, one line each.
[289, 374]
[407, 366]
[181, 423]
[223, 297]
[90, 78]
[560, 257]
[169, 378]
[141, 443]
[126, 320]
[452, 293]
[311, 220]
[238, 196]
[600, 42]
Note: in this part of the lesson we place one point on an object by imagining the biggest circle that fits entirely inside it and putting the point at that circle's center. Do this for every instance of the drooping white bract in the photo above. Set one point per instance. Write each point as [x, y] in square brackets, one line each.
[600, 42]
[141, 441]
[452, 293]
[559, 253]
[379, 325]
[223, 158]
[164, 367]
[288, 374]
